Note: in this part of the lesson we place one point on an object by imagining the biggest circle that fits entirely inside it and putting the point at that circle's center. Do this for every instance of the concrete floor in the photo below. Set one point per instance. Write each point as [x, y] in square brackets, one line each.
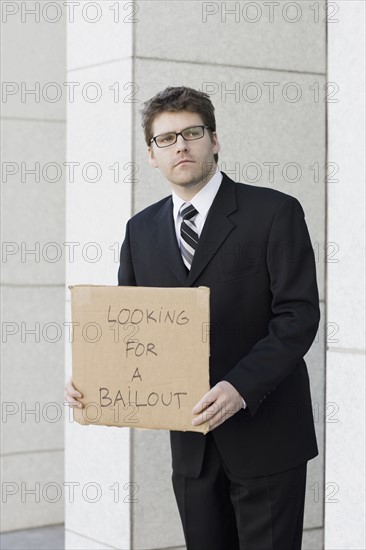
[39, 538]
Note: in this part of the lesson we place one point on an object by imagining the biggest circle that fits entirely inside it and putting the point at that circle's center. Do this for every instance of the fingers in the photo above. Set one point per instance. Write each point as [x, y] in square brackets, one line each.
[207, 400]
[218, 412]
[223, 412]
[212, 414]
[221, 391]
[71, 395]
[70, 389]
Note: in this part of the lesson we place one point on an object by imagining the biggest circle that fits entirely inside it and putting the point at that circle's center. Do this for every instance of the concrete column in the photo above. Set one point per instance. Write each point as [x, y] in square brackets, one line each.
[345, 379]
[33, 276]
[99, 139]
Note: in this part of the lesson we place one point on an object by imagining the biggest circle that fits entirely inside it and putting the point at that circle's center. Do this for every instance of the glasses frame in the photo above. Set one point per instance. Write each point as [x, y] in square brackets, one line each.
[180, 134]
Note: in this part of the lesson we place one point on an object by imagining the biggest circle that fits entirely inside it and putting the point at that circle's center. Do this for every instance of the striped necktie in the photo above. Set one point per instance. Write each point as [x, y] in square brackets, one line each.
[188, 233]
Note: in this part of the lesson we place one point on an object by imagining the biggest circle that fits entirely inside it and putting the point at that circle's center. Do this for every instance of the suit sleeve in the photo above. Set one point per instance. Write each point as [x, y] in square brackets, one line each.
[295, 308]
[126, 274]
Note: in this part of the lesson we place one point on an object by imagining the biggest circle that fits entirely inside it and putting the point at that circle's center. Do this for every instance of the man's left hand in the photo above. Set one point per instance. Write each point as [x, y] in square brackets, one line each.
[217, 405]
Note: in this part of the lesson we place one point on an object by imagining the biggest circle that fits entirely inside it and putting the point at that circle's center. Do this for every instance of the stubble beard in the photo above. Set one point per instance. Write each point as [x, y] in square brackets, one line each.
[207, 171]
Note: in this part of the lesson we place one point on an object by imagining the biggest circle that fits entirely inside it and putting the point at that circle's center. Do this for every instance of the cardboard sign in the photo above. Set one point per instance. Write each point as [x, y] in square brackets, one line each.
[140, 355]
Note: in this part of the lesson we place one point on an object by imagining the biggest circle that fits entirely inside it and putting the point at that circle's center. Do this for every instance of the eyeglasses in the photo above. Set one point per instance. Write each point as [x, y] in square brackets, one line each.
[189, 134]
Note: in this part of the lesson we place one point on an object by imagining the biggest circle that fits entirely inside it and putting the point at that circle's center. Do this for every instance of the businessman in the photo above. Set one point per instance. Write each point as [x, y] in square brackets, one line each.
[242, 485]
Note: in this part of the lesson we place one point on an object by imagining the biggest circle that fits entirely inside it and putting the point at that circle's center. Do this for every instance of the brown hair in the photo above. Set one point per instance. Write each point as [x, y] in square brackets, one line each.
[179, 98]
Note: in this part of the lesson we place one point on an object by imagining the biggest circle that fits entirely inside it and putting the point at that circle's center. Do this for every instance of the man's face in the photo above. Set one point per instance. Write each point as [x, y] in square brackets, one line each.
[200, 152]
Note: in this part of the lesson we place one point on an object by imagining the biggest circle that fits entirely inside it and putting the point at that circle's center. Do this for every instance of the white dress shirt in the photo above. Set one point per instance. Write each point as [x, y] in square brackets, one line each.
[202, 202]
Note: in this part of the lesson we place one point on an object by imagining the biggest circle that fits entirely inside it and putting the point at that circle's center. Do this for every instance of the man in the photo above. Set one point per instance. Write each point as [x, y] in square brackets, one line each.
[241, 486]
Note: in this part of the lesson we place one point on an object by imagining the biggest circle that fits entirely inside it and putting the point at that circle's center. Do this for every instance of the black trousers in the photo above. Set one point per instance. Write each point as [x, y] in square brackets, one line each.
[220, 511]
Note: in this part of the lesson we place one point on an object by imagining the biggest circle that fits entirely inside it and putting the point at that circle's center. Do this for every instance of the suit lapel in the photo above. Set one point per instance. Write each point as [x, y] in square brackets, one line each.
[215, 230]
[165, 240]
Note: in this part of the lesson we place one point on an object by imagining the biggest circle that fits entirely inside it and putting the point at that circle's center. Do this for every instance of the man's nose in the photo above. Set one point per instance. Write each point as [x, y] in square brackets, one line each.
[181, 144]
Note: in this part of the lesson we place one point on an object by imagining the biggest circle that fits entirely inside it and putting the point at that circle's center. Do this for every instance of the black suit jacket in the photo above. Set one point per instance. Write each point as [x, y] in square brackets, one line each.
[256, 256]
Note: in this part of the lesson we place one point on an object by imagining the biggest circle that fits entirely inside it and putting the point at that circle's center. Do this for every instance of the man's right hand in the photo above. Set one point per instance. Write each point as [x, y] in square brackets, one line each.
[72, 395]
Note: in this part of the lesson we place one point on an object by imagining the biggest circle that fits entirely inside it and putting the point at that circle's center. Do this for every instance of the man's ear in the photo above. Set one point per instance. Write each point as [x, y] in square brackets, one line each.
[152, 160]
[215, 143]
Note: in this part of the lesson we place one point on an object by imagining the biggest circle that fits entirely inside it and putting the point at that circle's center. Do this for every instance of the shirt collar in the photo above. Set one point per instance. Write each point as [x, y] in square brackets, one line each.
[203, 199]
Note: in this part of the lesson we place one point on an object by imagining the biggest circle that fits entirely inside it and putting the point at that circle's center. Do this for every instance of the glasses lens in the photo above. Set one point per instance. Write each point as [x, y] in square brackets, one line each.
[195, 132]
[165, 139]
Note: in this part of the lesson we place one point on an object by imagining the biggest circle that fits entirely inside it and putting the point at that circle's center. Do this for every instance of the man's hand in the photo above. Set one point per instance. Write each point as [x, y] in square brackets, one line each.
[217, 405]
[71, 394]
